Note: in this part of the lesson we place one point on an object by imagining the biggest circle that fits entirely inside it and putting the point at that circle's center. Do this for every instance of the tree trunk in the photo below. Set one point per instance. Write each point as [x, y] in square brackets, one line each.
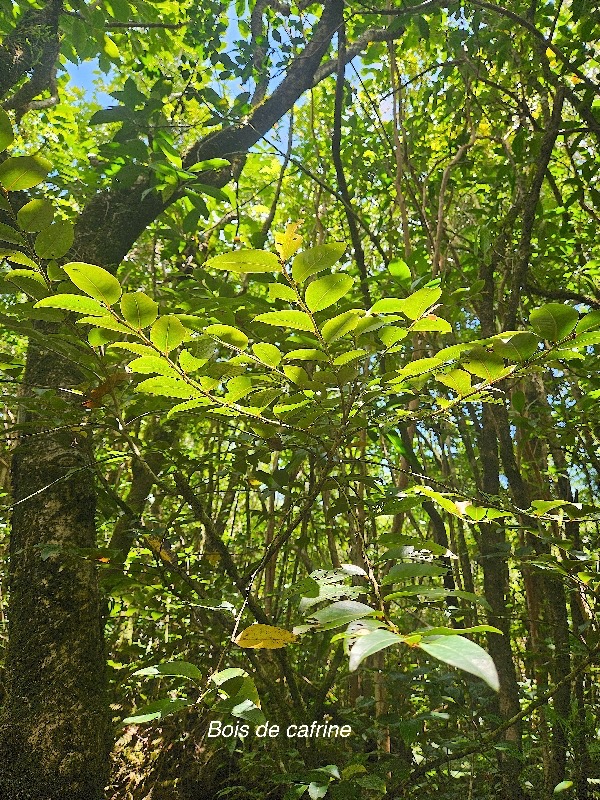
[54, 731]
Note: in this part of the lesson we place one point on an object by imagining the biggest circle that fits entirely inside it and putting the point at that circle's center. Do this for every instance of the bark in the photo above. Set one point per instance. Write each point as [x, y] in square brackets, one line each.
[54, 739]
[494, 551]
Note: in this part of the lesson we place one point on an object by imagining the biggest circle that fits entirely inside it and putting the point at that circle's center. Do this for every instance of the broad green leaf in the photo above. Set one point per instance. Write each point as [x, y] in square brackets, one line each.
[346, 358]
[110, 49]
[190, 405]
[181, 668]
[400, 270]
[167, 387]
[108, 323]
[156, 710]
[305, 354]
[209, 164]
[590, 320]
[456, 379]
[29, 281]
[167, 333]
[418, 367]
[138, 309]
[229, 335]
[296, 320]
[562, 787]
[464, 654]
[326, 291]
[418, 303]
[95, 281]
[17, 257]
[267, 353]
[484, 364]
[278, 291]
[341, 613]
[150, 365]
[238, 387]
[317, 790]
[246, 261]
[190, 363]
[387, 305]
[432, 323]
[370, 643]
[339, 326]
[134, 347]
[391, 335]
[553, 321]
[401, 572]
[23, 172]
[516, 345]
[9, 234]
[444, 631]
[316, 259]
[73, 302]
[296, 375]
[6, 132]
[55, 240]
[35, 215]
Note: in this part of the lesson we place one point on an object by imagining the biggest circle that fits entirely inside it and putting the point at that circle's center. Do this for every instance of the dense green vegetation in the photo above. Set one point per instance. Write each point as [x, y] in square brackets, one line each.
[300, 327]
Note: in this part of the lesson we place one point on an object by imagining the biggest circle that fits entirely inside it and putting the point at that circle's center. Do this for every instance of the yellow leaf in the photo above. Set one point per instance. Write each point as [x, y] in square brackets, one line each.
[289, 242]
[264, 637]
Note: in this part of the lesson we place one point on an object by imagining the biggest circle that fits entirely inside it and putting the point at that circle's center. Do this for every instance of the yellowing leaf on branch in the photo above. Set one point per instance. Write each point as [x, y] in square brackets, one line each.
[264, 637]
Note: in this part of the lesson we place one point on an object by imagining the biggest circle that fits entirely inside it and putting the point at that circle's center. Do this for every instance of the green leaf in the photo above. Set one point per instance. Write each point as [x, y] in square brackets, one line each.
[346, 358]
[305, 354]
[401, 572]
[464, 654]
[110, 114]
[181, 668]
[6, 132]
[484, 364]
[387, 305]
[167, 387]
[562, 787]
[278, 291]
[553, 321]
[339, 326]
[150, 365]
[95, 281]
[9, 234]
[17, 257]
[297, 320]
[190, 363]
[23, 172]
[267, 353]
[190, 405]
[55, 240]
[229, 335]
[370, 643]
[167, 333]
[432, 323]
[138, 309]
[156, 710]
[316, 259]
[400, 270]
[326, 291]
[317, 790]
[73, 302]
[341, 613]
[417, 304]
[110, 49]
[515, 345]
[35, 215]
[246, 261]
[28, 281]
[456, 379]
[107, 323]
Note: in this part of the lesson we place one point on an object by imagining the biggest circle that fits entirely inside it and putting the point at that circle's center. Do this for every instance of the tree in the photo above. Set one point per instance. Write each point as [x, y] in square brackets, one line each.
[472, 239]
